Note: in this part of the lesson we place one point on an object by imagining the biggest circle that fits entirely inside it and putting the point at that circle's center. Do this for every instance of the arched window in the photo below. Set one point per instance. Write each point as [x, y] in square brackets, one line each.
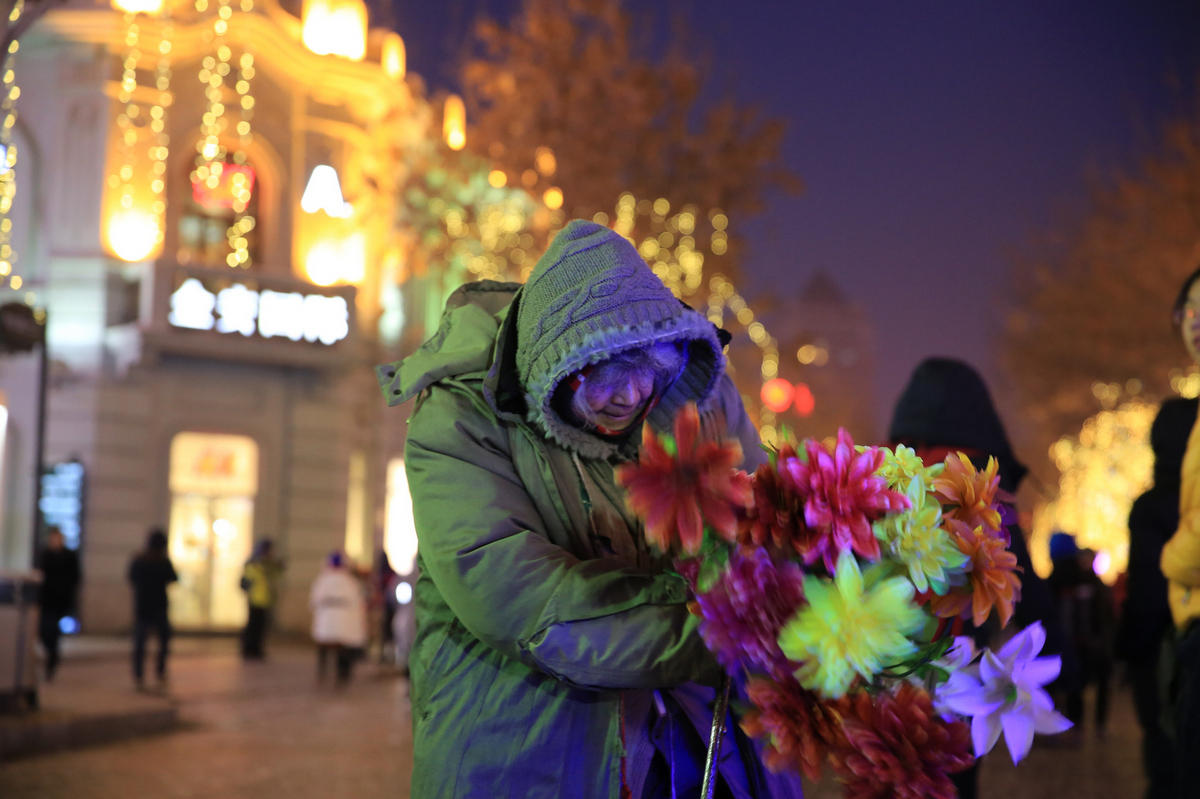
[218, 219]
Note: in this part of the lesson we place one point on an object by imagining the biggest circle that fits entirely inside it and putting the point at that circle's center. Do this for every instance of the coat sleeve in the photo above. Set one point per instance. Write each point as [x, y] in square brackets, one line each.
[727, 403]
[483, 543]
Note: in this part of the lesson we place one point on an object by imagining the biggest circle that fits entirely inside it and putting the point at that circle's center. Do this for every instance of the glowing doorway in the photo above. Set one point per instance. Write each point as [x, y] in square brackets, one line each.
[214, 480]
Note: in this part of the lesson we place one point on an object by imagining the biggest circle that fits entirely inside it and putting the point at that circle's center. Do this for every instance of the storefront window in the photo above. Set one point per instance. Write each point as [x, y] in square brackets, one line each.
[217, 220]
[214, 481]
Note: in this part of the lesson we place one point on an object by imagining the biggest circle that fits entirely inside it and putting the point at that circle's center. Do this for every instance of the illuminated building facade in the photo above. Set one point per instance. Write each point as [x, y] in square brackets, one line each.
[205, 211]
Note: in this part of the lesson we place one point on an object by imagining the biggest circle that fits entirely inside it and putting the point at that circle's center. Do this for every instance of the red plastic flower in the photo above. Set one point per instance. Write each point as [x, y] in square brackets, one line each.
[970, 495]
[797, 728]
[992, 580]
[895, 745]
[843, 495]
[776, 518]
[676, 493]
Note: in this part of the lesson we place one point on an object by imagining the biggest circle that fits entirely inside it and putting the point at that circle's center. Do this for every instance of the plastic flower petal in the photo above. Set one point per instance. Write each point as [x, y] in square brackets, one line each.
[904, 471]
[992, 581]
[843, 495]
[915, 539]
[796, 727]
[676, 493]
[741, 615]
[847, 629]
[896, 745]
[970, 493]
[1002, 693]
[776, 516]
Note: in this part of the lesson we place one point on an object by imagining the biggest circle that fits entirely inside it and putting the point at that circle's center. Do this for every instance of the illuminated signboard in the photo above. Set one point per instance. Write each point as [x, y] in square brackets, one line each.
[245, 311]
[61, 501]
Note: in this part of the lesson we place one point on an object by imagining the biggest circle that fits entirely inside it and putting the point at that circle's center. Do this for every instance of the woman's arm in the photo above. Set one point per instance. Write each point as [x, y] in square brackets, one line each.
[482, 541]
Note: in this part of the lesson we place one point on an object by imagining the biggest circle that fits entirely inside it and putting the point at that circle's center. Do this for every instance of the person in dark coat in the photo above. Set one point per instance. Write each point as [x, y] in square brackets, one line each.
[1145, 627]
[1087, 613]
[151, 572]
[946, 407]
[60, 583]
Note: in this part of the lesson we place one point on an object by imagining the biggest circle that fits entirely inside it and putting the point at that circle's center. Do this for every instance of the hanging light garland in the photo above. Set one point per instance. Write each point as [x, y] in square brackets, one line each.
[242, 181]
[159, 138]
[216, 167]
[9, 92]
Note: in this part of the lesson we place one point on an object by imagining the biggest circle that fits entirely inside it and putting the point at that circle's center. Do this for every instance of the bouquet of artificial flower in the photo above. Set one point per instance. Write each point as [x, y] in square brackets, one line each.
[832, 584]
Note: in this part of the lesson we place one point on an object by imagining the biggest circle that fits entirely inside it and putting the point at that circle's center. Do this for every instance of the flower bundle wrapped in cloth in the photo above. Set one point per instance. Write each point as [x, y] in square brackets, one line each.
[832, 585]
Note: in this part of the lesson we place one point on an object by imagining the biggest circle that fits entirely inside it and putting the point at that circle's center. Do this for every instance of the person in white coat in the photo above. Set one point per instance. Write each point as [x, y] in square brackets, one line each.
[339, 611]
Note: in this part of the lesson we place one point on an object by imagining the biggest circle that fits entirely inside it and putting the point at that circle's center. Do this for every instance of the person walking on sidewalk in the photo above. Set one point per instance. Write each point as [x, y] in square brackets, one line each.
[60, 582]
[260, 579]
[339, 611]
[151, 572]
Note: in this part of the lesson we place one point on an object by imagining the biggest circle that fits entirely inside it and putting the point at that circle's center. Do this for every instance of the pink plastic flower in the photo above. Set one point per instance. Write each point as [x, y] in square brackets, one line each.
[843, 495]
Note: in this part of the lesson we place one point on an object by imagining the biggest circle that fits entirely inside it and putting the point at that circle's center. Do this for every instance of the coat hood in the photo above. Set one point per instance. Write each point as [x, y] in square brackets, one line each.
[947, 404]
[590, 297]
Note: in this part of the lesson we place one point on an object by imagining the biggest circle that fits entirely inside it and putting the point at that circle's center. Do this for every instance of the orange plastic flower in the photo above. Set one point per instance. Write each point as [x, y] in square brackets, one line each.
[677, 492]
[896, 745]
[796, 727]
[970, 494]
[992, 580]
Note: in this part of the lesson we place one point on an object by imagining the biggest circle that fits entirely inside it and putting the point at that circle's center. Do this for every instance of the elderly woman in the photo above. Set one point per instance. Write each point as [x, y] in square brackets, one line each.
[555, 654]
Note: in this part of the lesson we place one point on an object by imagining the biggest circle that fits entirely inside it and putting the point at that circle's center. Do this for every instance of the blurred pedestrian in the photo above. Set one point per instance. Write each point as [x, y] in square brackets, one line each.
[151, 572]
[339, 625]
[1087, 614]
[381, 603]
[945, 408]
[1180, 563]
[260, 581]
[60, 584]
[1144, 633]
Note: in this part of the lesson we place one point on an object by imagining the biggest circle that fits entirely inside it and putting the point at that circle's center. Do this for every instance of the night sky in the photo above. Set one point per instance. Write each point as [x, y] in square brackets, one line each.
[936, 140]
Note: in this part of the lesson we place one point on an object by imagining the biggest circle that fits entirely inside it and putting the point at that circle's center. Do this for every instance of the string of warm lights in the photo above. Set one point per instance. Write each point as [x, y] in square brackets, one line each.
[159, 138]
[127, 118]
[1102, 469]
[9, 92]
[240, 182]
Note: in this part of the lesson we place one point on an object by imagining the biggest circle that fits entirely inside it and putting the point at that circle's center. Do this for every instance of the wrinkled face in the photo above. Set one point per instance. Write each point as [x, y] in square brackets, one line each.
[1189, 323]
[613, 394]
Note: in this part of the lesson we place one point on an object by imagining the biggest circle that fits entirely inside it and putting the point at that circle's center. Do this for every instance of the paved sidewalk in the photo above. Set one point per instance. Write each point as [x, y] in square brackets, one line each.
[262, 729]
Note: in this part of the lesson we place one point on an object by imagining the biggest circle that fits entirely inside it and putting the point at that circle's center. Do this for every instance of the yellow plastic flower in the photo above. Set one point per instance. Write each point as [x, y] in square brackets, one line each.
[905, 471]
[847, 628]
[916, 539]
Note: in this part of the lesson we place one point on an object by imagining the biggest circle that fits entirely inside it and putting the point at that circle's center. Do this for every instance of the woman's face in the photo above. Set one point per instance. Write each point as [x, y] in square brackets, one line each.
[613, 394]
[1189, 324]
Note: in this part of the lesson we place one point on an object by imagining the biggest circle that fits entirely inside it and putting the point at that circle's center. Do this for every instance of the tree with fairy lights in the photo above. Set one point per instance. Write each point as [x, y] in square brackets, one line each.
[1092, 315]
[566, 96]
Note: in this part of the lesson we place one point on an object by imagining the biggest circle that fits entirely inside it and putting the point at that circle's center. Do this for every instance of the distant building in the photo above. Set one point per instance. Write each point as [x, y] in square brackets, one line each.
[205, 211]
[826, 346]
